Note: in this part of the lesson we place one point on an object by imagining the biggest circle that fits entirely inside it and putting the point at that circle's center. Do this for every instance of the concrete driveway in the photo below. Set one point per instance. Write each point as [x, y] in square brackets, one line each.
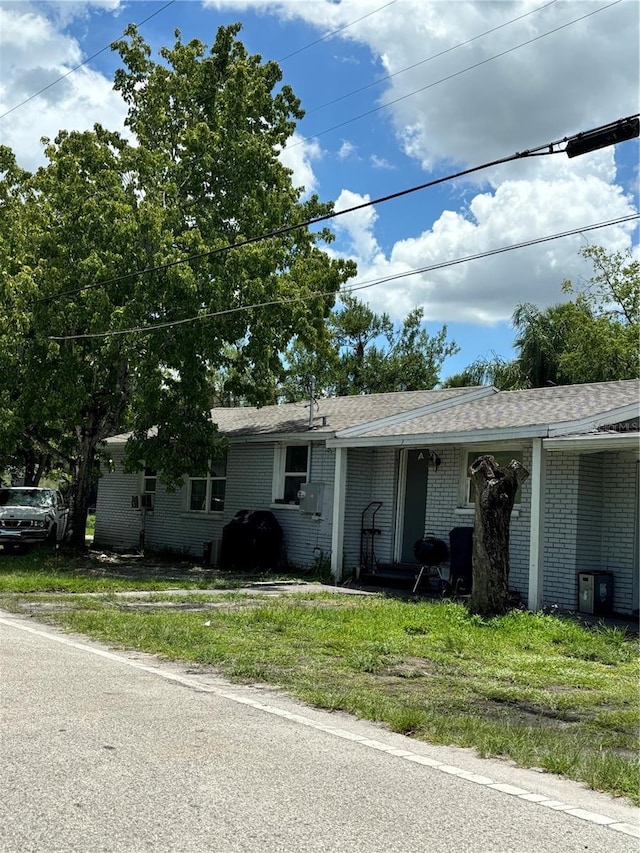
[104, 750]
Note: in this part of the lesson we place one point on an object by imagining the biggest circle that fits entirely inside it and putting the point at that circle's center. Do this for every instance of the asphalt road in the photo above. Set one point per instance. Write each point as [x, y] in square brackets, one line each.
[104, 750]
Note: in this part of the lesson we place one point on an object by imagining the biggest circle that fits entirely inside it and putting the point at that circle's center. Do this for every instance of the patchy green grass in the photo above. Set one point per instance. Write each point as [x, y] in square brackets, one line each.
[45, 570]
[541, 690]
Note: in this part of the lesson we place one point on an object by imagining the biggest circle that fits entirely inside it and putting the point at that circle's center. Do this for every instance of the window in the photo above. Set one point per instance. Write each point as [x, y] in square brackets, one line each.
[294, 471]
[149, 481]
[207, 493]
[502, 457]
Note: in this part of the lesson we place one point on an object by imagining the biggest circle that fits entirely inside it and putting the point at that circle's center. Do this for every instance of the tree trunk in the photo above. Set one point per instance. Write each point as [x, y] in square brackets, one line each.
[496, 488]
[80, 491]
[101, 417]
[35, 466]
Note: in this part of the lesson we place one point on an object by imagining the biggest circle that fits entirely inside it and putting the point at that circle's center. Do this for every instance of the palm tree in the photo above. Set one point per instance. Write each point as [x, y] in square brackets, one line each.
[541, 339]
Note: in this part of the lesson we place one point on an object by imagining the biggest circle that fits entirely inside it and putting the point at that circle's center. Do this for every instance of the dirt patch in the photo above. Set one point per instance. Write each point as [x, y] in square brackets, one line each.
[197, 606]
[523, 713]
[411, 667]
[52, 606]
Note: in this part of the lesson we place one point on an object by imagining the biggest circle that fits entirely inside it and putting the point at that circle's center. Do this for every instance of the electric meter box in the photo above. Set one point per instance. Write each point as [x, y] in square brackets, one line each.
[310, 496]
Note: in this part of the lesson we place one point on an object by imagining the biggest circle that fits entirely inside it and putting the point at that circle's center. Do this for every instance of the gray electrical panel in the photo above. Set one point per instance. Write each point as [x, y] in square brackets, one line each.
[311, 495]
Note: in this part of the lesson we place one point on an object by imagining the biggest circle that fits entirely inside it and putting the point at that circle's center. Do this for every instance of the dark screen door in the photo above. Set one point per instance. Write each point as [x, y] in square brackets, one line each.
[415, 502]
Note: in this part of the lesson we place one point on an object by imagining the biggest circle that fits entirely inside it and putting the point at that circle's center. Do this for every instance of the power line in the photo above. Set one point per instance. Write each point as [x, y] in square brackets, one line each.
[335, 32]
[278, 232]
[157, 12]
[87, 60]
[449, 76]
[362, 286]
[538, 151]
[366, 284]
[428, 59]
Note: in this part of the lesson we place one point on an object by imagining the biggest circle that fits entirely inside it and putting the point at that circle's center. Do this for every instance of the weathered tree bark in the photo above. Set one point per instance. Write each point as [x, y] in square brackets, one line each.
[496, 488]
[101, 416]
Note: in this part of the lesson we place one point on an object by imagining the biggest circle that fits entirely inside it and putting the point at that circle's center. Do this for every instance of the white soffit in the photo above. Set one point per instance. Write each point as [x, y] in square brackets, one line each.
[594, 443]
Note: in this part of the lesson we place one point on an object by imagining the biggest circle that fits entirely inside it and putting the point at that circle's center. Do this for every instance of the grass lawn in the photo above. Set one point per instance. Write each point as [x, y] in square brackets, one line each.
[539, 689]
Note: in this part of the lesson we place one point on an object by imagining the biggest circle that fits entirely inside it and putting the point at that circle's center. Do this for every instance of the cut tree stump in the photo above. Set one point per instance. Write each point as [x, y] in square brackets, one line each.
[496, 486]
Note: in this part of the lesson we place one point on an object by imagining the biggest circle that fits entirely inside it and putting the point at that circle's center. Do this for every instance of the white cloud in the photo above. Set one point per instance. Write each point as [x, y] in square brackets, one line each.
[486, 291]
[358, 227]
[567, 78]
[380, 162]
[298, 155]
[65, 11]
[471, 98]
[75, 103]
[347, 150]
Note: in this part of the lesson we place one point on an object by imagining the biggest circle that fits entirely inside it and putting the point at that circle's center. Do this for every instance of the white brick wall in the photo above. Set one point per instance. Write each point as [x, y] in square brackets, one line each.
[249, 486]
[561, 523]
[619, 513]
[589, 517]
[589, 525]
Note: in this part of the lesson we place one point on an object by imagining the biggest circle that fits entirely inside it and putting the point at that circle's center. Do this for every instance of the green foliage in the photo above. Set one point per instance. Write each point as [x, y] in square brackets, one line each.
[603, 342]
[495, 370]
[203, 175]
[366, 353]
[594, 337]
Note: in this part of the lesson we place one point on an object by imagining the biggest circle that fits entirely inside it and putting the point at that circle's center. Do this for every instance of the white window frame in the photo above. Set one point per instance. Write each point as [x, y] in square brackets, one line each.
[209, 479]
[280, 473]
[149, 481]
[465, 480]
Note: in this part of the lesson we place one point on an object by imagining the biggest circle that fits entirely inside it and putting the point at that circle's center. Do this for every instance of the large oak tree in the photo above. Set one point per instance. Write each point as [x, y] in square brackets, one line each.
[111, 238]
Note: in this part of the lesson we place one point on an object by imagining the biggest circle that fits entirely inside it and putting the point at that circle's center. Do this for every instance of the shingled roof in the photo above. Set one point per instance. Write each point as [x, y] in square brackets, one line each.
[556, 410]
[437, 414]
[332, 414]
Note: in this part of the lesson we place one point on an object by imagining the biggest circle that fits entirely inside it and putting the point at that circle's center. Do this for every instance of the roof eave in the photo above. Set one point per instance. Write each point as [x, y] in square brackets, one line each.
[597, 421]
[476, 436]
[594, 443]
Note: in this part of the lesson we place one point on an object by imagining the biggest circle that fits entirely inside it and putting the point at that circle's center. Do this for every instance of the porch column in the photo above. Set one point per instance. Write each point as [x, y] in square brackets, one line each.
[337, 529]
[536, 532]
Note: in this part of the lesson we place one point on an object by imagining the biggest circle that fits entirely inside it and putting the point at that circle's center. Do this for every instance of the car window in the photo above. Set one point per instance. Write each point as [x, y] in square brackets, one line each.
[27, 497]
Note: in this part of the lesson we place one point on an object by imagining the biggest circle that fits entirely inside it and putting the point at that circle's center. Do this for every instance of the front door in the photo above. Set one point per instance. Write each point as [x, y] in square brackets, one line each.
[415, 502]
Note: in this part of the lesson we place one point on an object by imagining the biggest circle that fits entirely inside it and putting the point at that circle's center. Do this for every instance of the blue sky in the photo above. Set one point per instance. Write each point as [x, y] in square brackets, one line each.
[467, 83]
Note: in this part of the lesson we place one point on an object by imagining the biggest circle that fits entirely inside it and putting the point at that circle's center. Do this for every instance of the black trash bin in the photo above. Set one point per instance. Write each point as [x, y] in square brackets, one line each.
[251, 540]
[460, 564]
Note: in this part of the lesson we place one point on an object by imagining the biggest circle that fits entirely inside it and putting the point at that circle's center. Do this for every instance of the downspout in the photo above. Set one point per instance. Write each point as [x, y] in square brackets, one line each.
[339, 502]
[536, 530]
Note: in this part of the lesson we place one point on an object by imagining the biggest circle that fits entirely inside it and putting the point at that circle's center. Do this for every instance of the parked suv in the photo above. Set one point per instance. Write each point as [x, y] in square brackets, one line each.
[30, 515]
